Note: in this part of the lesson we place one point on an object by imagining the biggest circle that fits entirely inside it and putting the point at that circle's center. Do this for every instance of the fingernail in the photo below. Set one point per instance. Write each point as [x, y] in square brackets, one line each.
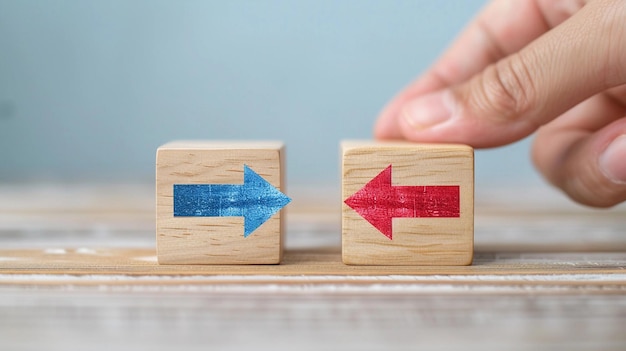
[428, 110]
[613, 160]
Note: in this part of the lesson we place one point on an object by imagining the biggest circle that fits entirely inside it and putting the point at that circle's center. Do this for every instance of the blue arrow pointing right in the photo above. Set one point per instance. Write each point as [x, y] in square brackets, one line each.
[255, 200]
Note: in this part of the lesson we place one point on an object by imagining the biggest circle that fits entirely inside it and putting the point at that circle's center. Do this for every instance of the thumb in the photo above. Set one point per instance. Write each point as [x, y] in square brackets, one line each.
[515, 96]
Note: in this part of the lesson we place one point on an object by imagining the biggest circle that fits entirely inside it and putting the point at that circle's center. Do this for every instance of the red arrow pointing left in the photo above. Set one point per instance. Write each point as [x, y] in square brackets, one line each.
[379, 202]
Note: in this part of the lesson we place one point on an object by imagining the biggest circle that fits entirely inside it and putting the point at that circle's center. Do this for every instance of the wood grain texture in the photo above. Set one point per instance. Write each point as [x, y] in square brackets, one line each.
[416, 241]
[320, 262]
[215, 240]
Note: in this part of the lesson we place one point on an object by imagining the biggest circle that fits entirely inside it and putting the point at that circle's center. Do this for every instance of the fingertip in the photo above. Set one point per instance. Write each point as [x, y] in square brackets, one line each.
[386, 126]
[440, 117]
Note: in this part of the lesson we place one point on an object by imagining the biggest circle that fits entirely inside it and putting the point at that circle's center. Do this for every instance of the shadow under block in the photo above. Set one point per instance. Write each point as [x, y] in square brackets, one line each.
[407, 204]
[203, 188]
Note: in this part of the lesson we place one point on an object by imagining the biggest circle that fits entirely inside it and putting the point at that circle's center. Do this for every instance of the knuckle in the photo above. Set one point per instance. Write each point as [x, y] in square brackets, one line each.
[506, 89]
[616, 50]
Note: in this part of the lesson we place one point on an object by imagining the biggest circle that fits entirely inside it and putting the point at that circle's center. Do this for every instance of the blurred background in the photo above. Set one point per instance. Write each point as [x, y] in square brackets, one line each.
[90, 89]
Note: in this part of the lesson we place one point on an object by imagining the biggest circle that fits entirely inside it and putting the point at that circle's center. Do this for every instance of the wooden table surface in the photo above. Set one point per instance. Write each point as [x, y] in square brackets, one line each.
[78, 271]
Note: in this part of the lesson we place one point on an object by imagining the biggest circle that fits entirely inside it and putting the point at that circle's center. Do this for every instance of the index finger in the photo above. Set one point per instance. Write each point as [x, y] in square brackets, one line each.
[502, 28]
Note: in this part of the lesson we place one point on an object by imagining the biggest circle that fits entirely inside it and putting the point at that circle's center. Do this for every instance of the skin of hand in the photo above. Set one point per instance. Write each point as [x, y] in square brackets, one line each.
[554, 67]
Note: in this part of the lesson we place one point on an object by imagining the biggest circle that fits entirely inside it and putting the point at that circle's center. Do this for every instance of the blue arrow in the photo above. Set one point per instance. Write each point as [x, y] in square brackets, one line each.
[255, 200]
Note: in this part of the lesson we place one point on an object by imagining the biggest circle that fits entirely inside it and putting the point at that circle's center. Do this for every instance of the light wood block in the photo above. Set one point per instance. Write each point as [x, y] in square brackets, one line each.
[426, 215]
[218, 239]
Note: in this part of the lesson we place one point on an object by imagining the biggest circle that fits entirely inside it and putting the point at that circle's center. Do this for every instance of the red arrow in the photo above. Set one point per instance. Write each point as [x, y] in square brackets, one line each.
[379, 202]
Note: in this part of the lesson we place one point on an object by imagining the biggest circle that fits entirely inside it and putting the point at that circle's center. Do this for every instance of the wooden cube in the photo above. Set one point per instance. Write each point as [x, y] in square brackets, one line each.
[219, 202]
[407, 204]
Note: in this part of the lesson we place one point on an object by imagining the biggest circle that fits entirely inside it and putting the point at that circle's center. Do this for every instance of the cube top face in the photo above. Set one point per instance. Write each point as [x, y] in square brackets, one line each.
[407, 204]
[197, 183]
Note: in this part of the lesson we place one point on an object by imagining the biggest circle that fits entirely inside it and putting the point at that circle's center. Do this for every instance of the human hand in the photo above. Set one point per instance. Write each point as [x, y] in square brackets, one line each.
[553, 66]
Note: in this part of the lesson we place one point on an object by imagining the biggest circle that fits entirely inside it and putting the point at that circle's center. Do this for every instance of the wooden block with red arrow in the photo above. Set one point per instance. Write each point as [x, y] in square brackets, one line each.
[407, 204]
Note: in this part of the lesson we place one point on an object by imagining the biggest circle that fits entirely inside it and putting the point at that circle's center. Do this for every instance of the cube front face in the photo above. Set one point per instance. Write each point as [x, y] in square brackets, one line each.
[407, 204]
[199, 224]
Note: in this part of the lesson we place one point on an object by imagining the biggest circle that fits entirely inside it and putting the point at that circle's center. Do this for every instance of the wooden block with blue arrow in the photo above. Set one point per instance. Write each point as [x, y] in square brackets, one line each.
[220, 202]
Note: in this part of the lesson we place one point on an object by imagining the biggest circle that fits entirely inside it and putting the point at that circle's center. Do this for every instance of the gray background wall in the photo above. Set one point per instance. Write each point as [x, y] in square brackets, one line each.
[89, 89]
